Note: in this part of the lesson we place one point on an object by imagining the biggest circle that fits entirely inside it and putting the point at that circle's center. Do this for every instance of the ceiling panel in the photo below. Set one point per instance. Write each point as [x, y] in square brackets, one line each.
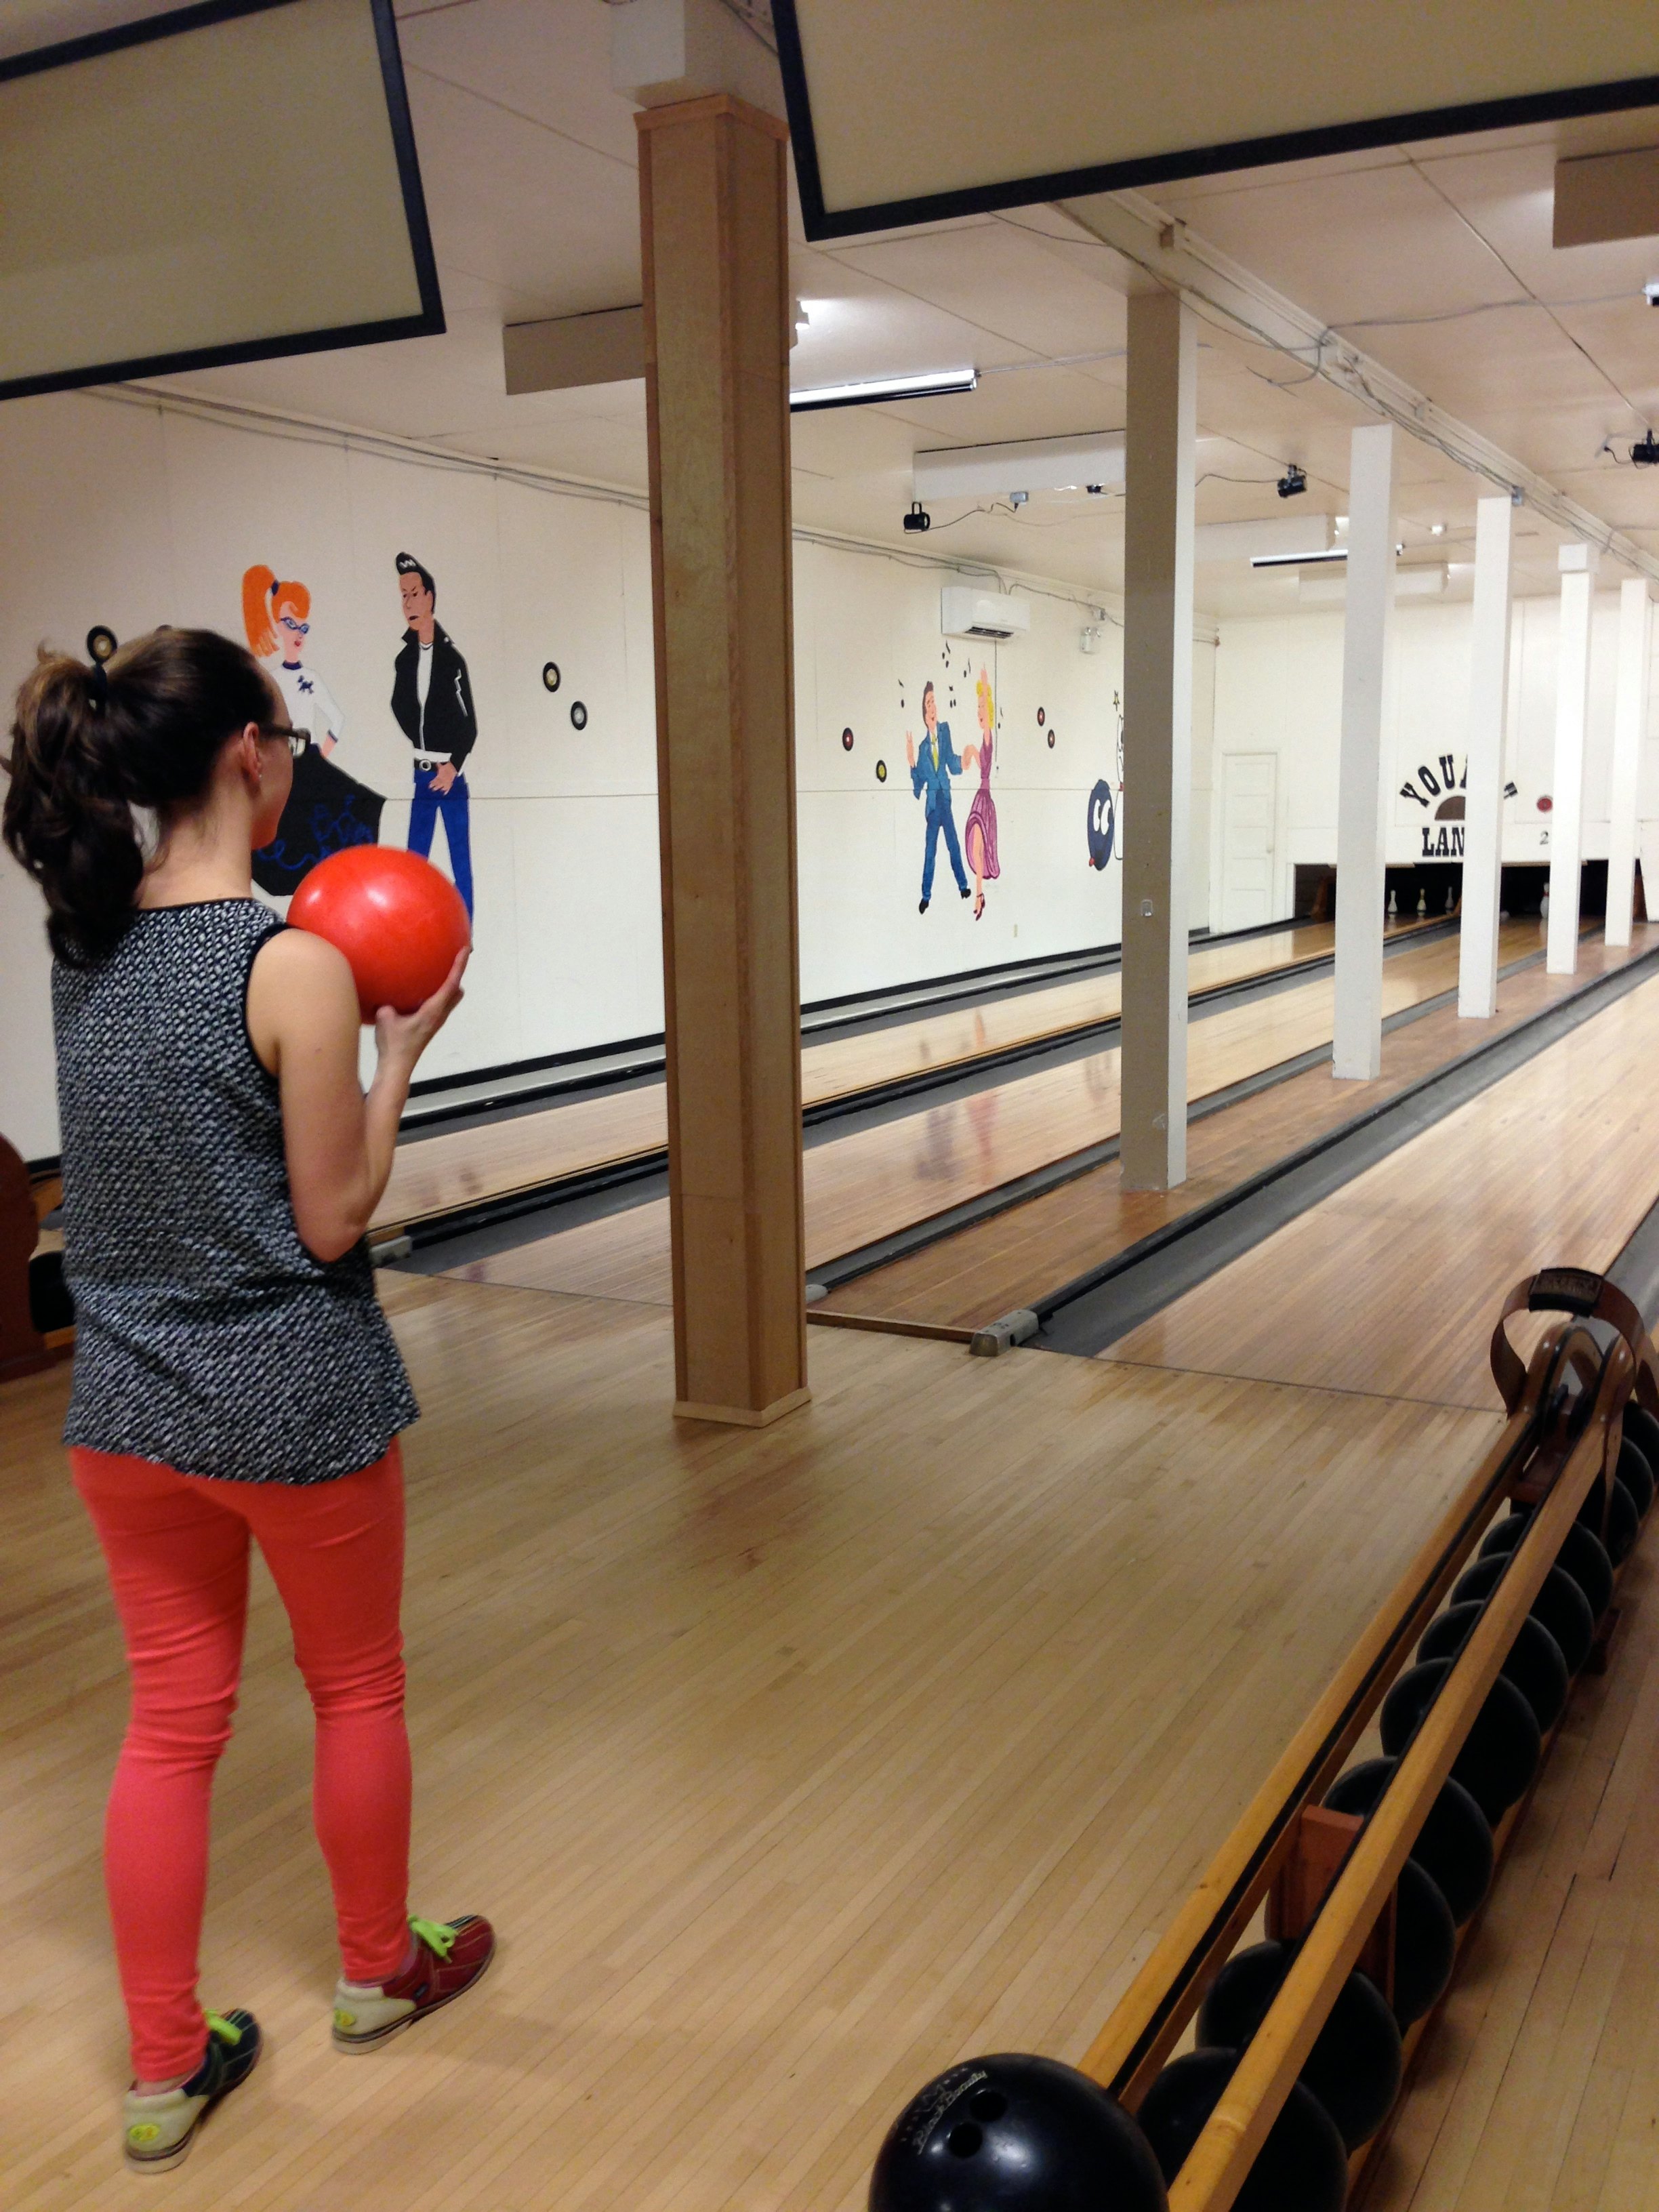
[1349, 247]
[527, 157]
[539, 59]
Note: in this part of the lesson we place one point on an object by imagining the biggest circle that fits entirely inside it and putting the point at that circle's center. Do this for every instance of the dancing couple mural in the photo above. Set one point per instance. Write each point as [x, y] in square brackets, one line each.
[930, 771]
[431, 703]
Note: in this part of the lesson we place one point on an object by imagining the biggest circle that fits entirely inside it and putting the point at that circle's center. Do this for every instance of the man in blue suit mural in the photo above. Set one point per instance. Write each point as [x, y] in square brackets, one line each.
[932, 774]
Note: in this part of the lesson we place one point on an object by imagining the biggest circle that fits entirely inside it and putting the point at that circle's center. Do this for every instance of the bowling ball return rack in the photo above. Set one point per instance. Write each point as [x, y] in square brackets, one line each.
[1329, 1880]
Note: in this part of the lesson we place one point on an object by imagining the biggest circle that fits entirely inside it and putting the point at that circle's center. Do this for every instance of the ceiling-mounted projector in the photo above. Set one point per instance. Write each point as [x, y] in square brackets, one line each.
[965, 613]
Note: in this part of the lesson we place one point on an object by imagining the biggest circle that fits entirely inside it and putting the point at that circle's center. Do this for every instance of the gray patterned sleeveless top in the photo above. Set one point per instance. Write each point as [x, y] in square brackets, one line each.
[207, 1336]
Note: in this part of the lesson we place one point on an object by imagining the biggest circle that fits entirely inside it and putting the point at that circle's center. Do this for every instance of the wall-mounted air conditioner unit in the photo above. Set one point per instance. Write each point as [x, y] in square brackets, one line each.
[965, 613]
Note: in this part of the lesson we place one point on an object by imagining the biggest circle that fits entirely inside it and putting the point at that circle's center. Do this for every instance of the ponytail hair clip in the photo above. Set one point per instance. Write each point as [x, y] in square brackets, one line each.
[101, 647]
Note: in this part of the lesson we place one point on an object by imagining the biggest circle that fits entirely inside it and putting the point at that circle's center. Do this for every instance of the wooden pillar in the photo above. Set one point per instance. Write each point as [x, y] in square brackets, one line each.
[714, 205]
[1483, 826]
[1630, 729]
[1572, 658]
[1367, 637]
[1161, 432]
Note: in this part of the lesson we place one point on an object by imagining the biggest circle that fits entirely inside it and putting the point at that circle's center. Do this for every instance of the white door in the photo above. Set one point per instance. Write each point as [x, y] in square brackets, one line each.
[1248, 790]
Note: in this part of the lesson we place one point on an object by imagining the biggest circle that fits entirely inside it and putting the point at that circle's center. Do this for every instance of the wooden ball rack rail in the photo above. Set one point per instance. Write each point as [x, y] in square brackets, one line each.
[1330, 1878]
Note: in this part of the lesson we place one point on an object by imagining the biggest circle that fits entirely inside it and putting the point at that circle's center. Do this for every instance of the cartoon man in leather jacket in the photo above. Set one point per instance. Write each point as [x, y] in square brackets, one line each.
[432, 700]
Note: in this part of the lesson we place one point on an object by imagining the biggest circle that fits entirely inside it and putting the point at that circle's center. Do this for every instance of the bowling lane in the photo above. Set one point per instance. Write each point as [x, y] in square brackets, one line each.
[464, 1167]
[867, 1185]
[1019, 1254]
[1379, 1288]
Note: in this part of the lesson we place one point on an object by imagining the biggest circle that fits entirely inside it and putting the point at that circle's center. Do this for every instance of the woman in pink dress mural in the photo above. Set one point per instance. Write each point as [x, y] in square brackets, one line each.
[979, 838]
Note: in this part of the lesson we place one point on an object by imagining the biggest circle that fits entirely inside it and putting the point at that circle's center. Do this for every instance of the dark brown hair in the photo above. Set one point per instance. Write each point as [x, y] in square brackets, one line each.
[89, 743]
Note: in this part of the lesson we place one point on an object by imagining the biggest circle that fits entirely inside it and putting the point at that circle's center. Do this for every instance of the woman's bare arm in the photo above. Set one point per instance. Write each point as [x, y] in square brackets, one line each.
[303, 1019]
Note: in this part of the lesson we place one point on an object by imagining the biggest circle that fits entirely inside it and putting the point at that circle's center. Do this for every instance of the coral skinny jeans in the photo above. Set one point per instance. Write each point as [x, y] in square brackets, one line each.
[177, 1549]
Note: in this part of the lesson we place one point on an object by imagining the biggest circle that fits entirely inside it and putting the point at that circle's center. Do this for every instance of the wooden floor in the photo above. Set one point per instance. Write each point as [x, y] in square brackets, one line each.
[433, 1174]
[1013, 1258]
[866, 1186]
[797, 1765]
[1558, 1163]
[794, 1766]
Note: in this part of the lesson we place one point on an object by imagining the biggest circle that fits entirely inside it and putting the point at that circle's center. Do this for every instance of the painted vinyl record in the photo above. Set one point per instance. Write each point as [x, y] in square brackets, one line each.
[551, 678]
[578, 715]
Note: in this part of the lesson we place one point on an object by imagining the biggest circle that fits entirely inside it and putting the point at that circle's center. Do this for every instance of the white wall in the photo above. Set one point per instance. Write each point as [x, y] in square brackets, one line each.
[1278, 689]
[134, 514]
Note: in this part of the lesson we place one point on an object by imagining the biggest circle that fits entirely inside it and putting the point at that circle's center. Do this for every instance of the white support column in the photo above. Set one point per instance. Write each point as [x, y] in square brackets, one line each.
[1483, 825]
[1629, 715]
[1578, 567]
[1161, 432]
[1367, 630]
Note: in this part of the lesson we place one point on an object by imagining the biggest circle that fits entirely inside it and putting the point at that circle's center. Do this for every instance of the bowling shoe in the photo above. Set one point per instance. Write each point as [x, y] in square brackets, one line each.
[449, 1957]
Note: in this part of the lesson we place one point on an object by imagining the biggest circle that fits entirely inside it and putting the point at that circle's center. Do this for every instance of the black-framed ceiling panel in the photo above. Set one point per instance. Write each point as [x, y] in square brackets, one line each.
[233, 181]
[914, 113]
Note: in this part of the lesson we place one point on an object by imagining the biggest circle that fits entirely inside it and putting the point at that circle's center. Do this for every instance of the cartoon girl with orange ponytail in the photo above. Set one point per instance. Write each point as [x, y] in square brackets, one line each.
[326, 810]
[277, 619]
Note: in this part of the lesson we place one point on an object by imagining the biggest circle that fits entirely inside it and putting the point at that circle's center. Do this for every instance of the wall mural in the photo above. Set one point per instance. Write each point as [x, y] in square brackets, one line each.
[327, 809]
[930, 781]
[1105, 809]
[432, 701]
[979, 836]
[932, 768]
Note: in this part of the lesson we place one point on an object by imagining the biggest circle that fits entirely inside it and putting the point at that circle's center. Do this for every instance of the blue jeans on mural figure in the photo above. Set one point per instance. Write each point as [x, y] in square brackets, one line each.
[428, 805]
[945, 821]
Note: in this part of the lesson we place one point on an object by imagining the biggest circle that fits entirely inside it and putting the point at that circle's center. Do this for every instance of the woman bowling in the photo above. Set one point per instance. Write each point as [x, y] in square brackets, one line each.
[234, 1379]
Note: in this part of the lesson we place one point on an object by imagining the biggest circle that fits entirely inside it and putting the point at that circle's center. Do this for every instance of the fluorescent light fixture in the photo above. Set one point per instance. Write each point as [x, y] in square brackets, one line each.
[1302, 560]
[937, 383]
[1297, 536]
[1423, 581]
[1026, 464]
[1298, 559]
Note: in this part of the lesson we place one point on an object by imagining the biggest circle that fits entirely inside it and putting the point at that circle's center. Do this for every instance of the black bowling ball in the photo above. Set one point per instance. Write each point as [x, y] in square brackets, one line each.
[1583, 1555]
[1355, 2064]
[1635, 1471]
[1453, 1844]
[1424, 1944]
[1624, 1522]
[1643, 1431]
[1560, 1605]
[1500, 1753]
[1303, 2163]
[1015, 2134]
[1501, 1538]
[1533, 1662]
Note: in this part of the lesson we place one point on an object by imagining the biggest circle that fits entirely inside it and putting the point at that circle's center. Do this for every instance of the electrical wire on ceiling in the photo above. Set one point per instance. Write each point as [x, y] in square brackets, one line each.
[296, 429]
[1346, 371]
[1516, 277]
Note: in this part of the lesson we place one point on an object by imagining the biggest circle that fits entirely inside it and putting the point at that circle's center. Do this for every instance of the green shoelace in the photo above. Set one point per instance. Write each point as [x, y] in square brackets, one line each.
[226, 2030]
[435, 1936]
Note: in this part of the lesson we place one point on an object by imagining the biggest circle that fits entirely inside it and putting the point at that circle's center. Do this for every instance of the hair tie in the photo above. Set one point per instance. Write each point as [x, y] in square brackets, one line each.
[100, 646]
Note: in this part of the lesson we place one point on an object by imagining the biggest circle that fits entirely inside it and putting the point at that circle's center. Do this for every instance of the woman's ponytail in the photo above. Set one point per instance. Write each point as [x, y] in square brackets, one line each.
[89, 742]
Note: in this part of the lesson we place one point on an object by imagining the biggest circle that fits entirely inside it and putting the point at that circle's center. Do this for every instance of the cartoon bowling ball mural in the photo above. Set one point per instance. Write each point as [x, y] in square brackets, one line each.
[1103, 824]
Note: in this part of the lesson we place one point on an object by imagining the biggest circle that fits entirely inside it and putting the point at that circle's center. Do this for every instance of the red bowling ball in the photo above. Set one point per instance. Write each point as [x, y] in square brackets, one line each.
[397, 921]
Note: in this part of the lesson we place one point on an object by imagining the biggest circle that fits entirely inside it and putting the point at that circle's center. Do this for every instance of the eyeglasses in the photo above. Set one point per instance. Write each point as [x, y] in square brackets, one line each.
[297, 739]
[288, 622]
